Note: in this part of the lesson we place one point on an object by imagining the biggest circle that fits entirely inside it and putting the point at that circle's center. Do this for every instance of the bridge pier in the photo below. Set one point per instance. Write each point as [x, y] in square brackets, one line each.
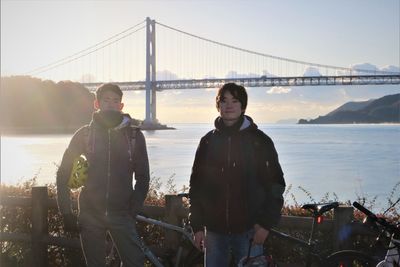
[154, 106]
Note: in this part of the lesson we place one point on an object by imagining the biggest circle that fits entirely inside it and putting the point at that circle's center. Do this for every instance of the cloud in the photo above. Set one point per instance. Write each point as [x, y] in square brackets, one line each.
[368, 68]
[166, 75]
[268, 74]
[209, 77]
[234, 74]
[279, 90]
[359, 68]
[391, 68]
[311, 71]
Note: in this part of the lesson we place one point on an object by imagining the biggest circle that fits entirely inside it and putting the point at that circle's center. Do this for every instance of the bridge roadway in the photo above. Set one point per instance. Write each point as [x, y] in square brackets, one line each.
[259, 82]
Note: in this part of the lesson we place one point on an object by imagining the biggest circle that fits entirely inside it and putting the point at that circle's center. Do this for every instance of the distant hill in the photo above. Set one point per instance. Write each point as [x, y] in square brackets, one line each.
[31, 105]
[383, 110]
[351, 106]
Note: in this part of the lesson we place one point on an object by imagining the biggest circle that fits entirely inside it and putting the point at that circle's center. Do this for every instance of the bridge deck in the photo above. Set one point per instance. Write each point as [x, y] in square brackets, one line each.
[259, 82]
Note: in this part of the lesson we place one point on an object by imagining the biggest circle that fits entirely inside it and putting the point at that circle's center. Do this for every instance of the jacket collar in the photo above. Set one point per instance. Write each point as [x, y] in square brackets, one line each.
[120, 123]
[244, 123]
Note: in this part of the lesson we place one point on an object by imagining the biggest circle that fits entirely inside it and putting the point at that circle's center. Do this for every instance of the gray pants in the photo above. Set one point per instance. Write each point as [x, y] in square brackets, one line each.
[122, 228]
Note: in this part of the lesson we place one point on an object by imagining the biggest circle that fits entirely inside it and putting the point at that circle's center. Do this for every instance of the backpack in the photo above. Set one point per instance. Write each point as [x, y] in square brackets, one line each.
[80, 165]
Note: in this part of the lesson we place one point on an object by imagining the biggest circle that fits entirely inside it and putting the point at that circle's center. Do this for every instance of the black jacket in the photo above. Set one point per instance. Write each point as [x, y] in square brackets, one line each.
[236, 180]
[109, 187]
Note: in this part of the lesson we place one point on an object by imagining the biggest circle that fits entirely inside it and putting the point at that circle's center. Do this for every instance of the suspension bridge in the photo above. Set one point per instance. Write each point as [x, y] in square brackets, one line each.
[189, 61]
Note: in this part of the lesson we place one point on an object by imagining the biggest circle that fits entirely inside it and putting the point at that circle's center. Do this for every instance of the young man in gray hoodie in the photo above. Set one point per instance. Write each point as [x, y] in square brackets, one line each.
[108, 201]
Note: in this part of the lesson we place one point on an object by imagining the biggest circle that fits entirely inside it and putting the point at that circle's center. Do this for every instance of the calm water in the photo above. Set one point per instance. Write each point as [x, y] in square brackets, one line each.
[347, 160]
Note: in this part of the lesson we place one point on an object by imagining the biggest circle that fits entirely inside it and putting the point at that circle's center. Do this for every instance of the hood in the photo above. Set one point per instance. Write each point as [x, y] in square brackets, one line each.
[126, 121]
[244, 123]
[111, 119]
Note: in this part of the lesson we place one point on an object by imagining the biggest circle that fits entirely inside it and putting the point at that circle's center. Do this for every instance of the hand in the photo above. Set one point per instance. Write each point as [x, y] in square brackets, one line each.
[70, 223]
[136, 207]
[260, 235]
[199, 240]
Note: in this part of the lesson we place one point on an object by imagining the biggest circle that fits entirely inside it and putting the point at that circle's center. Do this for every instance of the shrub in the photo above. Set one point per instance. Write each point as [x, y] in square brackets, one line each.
[17, 220]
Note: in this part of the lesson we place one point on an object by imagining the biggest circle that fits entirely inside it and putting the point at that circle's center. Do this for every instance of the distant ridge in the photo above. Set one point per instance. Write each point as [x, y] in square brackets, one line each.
[382, 110]
[351, 106]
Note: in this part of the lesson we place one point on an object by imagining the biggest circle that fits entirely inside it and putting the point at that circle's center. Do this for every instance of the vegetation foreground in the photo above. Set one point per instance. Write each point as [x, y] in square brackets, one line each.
[17, 220]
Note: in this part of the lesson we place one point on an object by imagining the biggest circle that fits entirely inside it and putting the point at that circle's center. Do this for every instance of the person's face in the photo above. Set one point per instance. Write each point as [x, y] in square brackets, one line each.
[109, 101]
[230, 108]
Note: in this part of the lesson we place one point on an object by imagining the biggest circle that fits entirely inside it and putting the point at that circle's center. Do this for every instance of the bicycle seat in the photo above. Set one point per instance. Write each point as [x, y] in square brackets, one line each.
[320, 208]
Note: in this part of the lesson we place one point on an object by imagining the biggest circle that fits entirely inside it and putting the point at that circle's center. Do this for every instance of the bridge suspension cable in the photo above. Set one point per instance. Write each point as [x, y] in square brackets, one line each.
[87, 51]
[337, 68]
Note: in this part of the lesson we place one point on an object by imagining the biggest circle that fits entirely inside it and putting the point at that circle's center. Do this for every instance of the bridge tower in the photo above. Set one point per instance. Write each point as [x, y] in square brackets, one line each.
[151, 118]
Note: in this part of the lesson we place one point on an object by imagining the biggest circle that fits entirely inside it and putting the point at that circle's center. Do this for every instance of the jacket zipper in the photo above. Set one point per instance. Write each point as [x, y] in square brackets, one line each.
[108, 170]
[227, 185]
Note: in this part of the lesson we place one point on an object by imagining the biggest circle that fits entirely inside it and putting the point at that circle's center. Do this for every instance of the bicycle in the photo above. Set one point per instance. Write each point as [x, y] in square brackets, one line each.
[186, 254]
[314, 257]
[386, 229]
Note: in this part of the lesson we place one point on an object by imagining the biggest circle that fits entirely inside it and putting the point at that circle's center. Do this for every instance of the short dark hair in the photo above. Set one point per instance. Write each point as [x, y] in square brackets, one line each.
[237, 91]
[106, 88]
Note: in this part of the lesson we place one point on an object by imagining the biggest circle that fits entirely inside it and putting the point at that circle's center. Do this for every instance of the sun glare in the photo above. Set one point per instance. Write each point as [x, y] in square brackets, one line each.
[14, 155]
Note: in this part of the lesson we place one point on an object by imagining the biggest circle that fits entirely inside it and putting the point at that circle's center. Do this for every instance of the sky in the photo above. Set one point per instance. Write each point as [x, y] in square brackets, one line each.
[344, 33]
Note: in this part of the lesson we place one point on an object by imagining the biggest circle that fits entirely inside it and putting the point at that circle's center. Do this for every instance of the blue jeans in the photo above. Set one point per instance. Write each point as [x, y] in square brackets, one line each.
[93, 229]
[220, 246]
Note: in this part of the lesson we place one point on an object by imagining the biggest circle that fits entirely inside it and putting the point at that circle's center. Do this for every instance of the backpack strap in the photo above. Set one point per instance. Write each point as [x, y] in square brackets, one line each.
[131, 138]
[88, 139]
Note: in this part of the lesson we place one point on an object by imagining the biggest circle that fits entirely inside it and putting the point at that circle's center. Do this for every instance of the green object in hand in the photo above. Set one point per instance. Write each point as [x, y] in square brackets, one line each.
[79, 173]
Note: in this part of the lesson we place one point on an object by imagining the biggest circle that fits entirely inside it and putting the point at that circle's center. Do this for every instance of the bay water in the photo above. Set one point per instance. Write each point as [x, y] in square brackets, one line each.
[319, 161]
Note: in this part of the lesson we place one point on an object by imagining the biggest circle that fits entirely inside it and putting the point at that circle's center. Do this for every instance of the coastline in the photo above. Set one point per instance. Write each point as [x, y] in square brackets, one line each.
[65, 130]
[37, 130]
[9, 131]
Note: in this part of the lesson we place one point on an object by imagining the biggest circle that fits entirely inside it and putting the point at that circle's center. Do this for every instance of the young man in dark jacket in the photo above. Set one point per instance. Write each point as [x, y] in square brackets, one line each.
[108, 201]
[236, 184]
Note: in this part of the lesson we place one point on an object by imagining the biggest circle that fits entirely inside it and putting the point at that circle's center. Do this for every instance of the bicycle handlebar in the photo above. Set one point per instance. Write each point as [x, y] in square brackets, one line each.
[186, 195]
[376, 219]
[365, 210]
